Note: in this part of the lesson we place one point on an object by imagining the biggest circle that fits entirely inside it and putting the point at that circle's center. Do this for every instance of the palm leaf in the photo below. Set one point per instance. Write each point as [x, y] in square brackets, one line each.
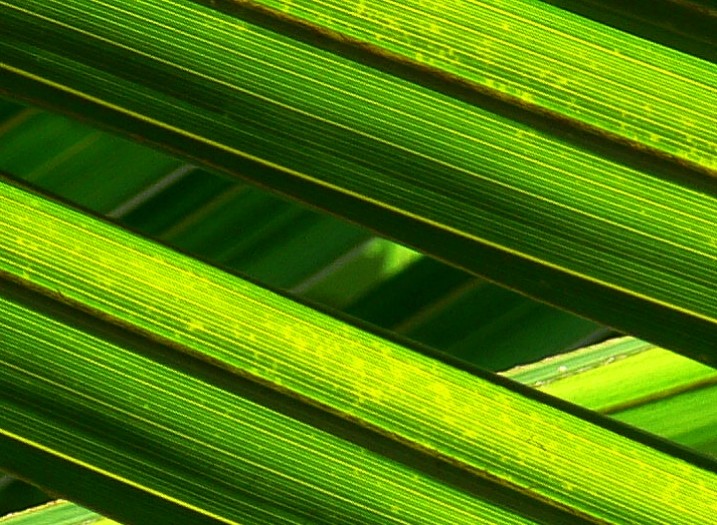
[686, 379]
[100, 353]
[634, 382]
[56, 513]
[249, 231]
[383, 388]
[248, 97]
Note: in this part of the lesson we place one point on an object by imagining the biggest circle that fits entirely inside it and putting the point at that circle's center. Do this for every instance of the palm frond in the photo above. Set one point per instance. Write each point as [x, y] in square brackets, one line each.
[186, 348]
[621, 235]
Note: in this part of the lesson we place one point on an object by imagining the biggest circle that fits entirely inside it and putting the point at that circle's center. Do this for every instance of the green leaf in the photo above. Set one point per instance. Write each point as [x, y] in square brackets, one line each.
[147, 436]
[228, 223]
[15, 495]
[582, 73]
[635, 382]
[57, 152]
[671, 396]
[247, 230]
[358, 272]
[595, 384]
[496, 328]
[197, 430]
[56, 513]
[685, 25]
[588, 225]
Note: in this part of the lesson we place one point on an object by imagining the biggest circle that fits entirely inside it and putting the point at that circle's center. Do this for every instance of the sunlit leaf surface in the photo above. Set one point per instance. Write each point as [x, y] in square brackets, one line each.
[571, 158]
[430, 407]
[611, 232]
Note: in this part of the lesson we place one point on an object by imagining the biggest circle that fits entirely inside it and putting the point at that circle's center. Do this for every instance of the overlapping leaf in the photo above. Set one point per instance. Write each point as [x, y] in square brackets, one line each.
[485, 428]
[491, 186]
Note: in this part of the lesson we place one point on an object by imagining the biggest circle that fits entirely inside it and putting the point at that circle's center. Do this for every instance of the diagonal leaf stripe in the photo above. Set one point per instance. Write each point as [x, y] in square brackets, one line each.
[591, 360]
[175, 443]
[56, 513]
[475, 422]
[647, 387]
[485, 190]
[686, 25]
[541, 57]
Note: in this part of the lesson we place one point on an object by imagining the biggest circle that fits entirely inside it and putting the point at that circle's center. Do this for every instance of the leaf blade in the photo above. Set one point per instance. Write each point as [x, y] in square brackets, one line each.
[615, 236]
[424, 403]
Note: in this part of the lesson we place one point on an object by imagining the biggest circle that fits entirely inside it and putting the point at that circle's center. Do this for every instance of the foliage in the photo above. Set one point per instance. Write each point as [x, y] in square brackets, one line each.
[550, 153]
